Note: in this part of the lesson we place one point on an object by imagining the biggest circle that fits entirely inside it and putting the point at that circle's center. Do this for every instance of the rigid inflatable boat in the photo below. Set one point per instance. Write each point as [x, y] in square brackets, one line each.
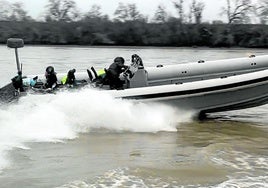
[202, 86]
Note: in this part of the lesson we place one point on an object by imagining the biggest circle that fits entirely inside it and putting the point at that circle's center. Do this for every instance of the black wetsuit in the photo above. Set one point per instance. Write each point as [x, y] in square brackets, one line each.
[51, 80]
[18, 83]
[70, 78]
[113, 73]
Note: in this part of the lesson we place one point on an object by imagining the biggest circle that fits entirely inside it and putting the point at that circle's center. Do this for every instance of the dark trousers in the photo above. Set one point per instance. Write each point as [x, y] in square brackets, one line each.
[113, 81]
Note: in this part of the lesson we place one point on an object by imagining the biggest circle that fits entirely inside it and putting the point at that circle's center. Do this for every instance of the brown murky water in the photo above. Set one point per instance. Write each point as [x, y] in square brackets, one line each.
[67, 141]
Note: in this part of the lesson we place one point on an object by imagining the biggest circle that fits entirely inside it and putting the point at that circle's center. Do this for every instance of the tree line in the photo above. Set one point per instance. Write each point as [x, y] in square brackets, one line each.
[63, 24]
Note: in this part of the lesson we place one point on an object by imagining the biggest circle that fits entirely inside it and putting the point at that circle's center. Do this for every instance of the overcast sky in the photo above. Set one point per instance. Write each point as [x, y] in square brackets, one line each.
[147, 7]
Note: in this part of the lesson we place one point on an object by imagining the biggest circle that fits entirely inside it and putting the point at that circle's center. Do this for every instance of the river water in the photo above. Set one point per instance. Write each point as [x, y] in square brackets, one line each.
[81, 140]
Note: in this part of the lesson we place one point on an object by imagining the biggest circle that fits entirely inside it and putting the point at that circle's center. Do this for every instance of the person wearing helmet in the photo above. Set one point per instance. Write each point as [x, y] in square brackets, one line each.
[71, 77]
[51, 78]
[114, 71]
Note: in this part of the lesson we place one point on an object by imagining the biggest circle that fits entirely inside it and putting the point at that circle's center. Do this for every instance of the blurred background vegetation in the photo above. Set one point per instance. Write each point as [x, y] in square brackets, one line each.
[63, 24]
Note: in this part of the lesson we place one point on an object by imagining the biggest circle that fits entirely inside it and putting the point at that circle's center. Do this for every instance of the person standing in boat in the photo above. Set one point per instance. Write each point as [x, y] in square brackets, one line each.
[114, 71]
[51, 78]
[18, 82]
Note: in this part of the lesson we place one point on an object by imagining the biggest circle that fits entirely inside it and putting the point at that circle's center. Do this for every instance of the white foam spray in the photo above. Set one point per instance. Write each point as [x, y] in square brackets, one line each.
[53, 118]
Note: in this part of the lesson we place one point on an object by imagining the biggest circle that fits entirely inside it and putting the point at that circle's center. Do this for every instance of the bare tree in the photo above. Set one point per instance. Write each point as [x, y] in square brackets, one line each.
[262, 11]
[18, 13]
[237, 11]
[161, 15]
[94, 12]
[5, 10]
[13, 12]
[196, 9]
[127, 12]
[121, 13]
[62, 10]
[134, 14]
[180, 10]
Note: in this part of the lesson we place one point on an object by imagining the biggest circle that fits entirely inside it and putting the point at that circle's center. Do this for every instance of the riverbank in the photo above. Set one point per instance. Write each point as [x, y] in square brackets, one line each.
[136, 33]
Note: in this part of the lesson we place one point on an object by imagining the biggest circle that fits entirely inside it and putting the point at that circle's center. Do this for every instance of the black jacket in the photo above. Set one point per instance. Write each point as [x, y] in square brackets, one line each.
[17, 82]
[51, 80]
[70, 78]
[116, 69]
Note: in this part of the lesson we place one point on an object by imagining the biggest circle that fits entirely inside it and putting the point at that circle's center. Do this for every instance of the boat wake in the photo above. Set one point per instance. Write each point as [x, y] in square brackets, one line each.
[53, 118]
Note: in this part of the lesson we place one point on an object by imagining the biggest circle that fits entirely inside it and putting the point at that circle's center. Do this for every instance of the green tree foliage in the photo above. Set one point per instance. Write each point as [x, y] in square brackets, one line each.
[130, 28]
[97, 25]
[106, 32]
[61, 10]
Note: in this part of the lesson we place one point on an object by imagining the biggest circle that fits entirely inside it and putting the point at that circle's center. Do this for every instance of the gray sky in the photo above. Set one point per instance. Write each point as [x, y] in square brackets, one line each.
[148, 7]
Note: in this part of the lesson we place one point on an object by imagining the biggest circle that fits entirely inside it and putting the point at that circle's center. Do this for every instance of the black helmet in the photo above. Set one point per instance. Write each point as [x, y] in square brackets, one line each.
[19, 73]
[119, 59]
[72, 71]
[50, 70]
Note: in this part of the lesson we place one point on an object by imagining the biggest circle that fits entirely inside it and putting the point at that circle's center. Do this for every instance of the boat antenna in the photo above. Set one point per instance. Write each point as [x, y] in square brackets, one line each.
[16, 43]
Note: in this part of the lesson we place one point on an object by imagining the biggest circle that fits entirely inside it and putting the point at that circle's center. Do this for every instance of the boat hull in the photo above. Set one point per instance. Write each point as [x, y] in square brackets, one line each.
[229, 88]
[215, 95]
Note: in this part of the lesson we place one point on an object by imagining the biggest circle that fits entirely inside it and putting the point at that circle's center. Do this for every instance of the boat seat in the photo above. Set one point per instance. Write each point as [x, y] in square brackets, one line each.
[89, 75]
[92, 74]
[139, 79]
